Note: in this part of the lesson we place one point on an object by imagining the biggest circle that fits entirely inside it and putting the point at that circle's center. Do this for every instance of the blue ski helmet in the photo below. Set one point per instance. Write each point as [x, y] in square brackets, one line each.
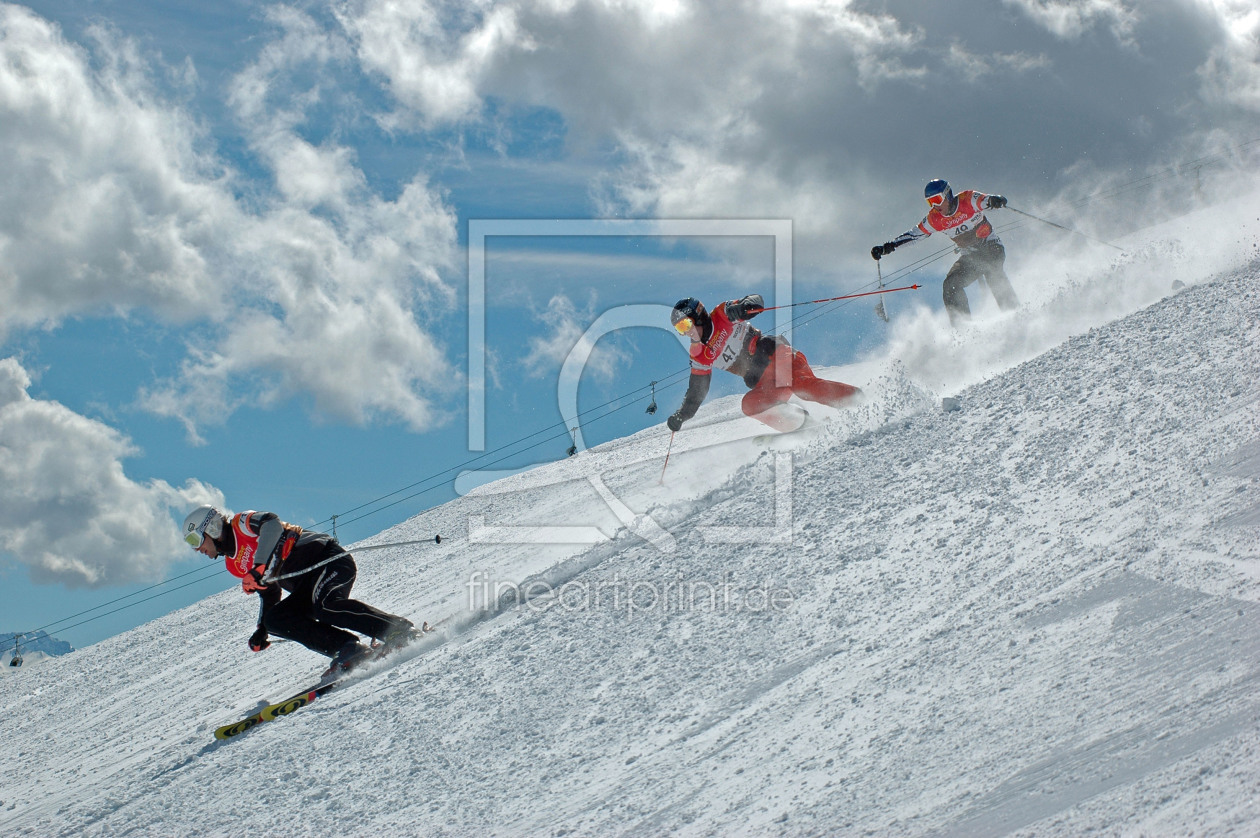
[940, 196]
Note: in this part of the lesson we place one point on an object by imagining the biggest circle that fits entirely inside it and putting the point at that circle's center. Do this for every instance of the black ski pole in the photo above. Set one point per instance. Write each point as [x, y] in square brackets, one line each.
[1061, 227]
[267, 580]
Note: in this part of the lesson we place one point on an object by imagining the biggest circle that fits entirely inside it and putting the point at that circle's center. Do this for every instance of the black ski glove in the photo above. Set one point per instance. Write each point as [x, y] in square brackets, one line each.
[751, 306]
[996, 202]
[882, 250]
[674, 423]
[258, 640]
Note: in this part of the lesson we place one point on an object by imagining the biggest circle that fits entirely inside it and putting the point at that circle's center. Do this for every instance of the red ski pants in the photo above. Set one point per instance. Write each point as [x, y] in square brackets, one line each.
[789, 373]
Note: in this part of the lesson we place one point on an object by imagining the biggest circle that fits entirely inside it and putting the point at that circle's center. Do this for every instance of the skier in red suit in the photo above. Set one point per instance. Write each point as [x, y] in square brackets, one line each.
[961, 217]
[771, 368]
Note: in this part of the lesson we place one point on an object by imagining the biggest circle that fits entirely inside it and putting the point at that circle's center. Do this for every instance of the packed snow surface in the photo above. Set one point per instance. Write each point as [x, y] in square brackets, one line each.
[1035, 612]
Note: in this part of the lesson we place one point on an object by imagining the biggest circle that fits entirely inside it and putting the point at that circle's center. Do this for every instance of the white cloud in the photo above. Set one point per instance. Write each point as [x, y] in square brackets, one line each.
[340, 271]
[108, 201]
[115, 201]
[1231, 73]
[67, 509]
[565, 326]
[975, 66]
[337, 321]
[300, 42]
[432, 55]
[1073, 18]
[360, 358]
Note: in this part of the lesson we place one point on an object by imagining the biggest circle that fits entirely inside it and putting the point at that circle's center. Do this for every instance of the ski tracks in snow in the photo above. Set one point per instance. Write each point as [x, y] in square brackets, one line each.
[1036, 612]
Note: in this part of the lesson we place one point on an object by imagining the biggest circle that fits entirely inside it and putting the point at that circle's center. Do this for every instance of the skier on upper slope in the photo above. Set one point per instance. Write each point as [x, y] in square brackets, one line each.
[768, 364]
[961, 217]
[268, 556]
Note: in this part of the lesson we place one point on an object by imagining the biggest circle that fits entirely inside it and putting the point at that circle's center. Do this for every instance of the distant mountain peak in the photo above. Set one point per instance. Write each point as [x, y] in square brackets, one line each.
[33, 641]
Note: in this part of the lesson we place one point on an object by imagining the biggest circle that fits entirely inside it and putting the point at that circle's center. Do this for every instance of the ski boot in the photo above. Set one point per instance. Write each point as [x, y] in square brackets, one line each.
[352, 654]
[401, 636]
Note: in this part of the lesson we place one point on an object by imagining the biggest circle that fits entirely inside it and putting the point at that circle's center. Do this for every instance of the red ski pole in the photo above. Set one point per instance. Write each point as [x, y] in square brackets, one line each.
[833, 299]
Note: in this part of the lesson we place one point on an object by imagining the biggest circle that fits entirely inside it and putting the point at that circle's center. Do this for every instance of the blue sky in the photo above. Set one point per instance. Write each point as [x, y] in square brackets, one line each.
[233, 261]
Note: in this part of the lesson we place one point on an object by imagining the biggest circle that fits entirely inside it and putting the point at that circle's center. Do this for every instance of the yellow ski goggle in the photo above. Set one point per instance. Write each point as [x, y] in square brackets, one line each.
[684, 326]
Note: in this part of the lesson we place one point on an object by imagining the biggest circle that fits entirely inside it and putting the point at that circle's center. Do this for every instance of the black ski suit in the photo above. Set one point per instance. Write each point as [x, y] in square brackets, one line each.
[318, 608]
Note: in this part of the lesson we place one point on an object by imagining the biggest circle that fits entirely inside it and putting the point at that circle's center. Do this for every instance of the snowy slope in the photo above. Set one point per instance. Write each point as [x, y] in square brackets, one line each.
[1036, 614]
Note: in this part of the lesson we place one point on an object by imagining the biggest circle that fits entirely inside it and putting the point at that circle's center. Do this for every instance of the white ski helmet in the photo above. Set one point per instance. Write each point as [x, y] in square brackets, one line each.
[202, 521]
